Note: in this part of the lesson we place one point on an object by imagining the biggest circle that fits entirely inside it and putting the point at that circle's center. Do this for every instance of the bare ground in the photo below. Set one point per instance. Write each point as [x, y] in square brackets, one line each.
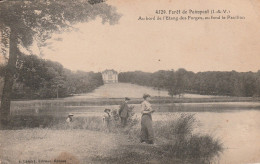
[74, 146]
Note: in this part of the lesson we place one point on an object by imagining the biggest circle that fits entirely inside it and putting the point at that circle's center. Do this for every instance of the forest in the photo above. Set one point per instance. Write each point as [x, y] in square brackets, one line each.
[229, 83]
[37, 78]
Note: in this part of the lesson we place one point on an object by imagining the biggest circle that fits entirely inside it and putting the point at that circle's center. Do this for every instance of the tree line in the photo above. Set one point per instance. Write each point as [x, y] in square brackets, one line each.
[230, 83]
[37, 78]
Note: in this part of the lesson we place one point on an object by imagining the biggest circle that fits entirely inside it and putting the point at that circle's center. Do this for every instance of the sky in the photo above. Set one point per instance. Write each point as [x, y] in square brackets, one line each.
[212, 45]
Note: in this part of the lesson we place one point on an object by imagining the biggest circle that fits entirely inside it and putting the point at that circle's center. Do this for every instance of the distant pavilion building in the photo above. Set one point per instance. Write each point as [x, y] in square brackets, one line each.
[110, 76]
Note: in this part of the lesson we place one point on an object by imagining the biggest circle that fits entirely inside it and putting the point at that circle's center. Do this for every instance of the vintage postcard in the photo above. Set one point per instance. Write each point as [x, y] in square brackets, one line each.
[118, 81]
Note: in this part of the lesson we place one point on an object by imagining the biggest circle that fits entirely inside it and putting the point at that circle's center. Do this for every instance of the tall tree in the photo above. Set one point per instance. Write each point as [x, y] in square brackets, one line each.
[25, 21]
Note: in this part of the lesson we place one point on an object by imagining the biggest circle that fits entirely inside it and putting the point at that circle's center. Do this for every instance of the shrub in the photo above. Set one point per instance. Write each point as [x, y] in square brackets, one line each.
[26, 121]
[180, 142]
[197, 148]
[179, 127]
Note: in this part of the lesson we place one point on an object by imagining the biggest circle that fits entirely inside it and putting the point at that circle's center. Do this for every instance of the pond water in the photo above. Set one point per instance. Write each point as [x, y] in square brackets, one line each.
[238, 130]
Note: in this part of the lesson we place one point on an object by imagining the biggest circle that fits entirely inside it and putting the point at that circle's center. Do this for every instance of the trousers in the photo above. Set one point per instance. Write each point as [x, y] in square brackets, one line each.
[123, 121]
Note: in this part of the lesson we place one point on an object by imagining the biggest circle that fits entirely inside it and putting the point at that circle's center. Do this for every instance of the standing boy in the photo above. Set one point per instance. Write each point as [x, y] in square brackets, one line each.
[123, 111]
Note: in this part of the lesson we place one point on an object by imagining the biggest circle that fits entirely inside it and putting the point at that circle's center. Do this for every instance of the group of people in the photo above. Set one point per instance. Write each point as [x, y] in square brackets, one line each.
[147, 134]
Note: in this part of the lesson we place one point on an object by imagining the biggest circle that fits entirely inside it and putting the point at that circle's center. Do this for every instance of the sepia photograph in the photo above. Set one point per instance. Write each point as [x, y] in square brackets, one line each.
[129, 82]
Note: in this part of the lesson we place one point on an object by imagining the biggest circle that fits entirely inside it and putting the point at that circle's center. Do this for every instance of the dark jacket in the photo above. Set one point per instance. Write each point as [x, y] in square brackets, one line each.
[123, 110]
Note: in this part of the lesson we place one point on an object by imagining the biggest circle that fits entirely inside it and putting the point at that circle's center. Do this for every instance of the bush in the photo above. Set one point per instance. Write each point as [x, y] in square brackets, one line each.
[180, 142]
[26, 121]
[179, 127]
[197, 148]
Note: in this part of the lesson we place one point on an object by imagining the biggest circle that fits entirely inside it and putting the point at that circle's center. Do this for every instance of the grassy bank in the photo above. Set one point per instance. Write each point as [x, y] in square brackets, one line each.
[175, 138]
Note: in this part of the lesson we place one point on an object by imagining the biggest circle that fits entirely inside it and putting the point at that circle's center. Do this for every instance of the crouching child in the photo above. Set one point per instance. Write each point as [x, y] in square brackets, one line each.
[69, 121]
[69, 118]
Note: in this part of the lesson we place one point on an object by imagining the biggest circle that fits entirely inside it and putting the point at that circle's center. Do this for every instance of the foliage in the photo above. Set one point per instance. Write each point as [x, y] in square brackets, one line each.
[82, 82]
[137, 77]
[196, 149]
[245, 84]
[179, 141]
[38, 78]
[27, 121]
[179, 127]
[37, 20]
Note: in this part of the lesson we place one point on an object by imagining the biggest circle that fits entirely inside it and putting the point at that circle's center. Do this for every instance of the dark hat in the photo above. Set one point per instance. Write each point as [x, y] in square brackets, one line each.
[70, 114]
[107, 110]
[126, 98]
[146, 95]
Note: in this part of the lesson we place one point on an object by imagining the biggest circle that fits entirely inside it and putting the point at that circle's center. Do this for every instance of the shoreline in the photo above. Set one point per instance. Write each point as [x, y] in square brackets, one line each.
[154, 100]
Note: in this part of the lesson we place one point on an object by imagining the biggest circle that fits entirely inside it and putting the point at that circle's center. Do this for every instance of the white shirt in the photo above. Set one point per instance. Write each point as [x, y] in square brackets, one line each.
[146, 107]
[68, 119]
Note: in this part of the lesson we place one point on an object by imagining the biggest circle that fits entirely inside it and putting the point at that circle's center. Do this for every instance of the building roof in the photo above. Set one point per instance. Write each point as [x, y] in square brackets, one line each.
[109, 70]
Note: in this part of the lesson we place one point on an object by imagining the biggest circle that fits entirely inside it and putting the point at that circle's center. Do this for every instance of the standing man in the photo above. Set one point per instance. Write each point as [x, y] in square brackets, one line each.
[123, 112]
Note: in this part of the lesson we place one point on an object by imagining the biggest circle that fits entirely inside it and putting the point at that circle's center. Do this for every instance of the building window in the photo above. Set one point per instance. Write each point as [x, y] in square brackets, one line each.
[110, 76]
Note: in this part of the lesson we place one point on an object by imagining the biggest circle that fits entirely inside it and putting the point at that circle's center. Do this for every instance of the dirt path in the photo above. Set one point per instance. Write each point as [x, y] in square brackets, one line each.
[75, 146]
[44, 144]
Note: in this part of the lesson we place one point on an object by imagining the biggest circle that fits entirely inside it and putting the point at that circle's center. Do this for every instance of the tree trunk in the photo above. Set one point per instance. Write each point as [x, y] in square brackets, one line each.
[172, 103]
[159, 99]
[9, 76]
